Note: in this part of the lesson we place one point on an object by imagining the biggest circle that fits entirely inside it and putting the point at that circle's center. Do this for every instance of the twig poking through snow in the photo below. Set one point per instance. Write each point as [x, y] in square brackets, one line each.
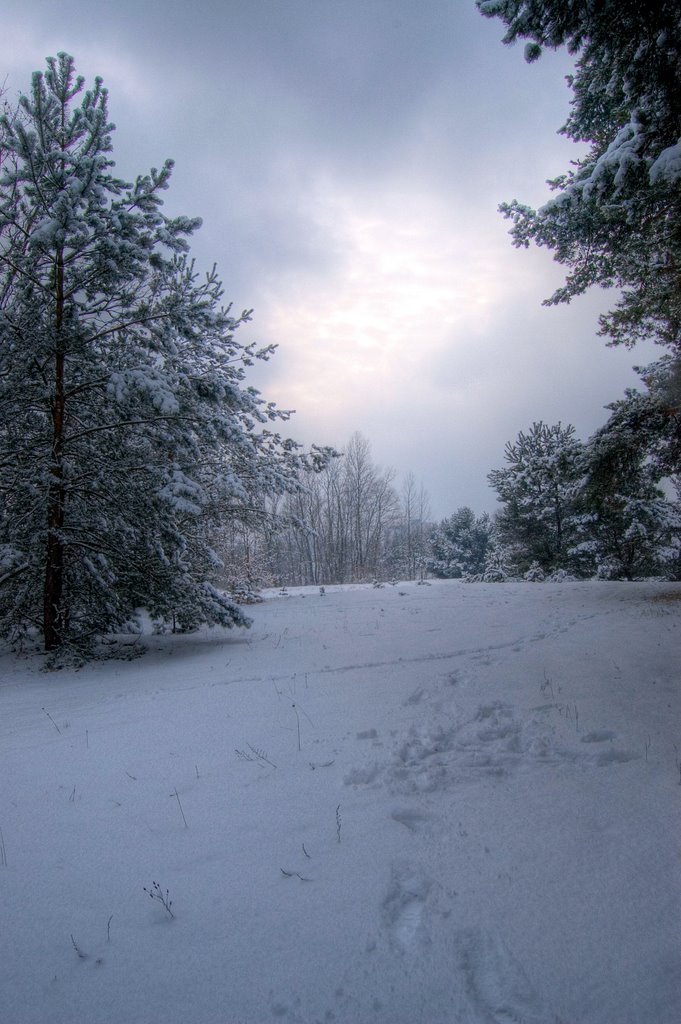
[81, 954]
[297, 723]
[53, 722]
[295, 709]
[156, 893]
[177, 797]
[261, 755]
[338, 823]
[294, 874]
[257, 757]
[547, 685]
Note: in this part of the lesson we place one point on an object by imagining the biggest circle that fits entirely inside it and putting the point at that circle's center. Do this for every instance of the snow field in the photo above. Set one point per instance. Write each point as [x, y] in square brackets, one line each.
[447, 804]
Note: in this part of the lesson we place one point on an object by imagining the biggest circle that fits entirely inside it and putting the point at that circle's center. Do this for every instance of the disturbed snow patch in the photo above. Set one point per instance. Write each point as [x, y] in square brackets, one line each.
[495, 741]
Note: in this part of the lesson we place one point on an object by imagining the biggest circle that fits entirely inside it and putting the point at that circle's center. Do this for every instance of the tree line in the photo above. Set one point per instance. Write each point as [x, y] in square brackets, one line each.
[586, 510]
[566, 508]
[348, 523]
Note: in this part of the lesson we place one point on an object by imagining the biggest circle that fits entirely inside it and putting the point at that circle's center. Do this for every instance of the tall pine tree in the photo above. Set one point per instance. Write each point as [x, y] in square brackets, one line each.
[615, 220]
[127, 434]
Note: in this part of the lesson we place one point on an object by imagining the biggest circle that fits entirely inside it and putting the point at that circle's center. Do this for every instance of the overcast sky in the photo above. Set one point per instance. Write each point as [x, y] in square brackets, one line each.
[347, 158]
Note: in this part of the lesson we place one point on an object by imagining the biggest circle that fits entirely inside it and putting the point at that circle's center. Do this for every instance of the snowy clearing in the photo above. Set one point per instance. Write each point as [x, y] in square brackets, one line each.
[447, 804]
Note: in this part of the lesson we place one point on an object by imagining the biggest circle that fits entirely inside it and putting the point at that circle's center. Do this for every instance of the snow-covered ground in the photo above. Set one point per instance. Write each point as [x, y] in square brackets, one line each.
[446, 804]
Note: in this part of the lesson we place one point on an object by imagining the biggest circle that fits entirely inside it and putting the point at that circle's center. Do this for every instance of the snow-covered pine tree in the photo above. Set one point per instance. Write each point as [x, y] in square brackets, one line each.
[126, 431]
[616, 217]
[630, 528]
[459, 545]
[537, 490]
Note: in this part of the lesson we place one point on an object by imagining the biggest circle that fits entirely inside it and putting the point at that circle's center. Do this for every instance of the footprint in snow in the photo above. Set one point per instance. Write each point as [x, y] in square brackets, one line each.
[598, 736]
[404, 907]
[412, 819]
[495, 988]
[610, 756]
[368, 734]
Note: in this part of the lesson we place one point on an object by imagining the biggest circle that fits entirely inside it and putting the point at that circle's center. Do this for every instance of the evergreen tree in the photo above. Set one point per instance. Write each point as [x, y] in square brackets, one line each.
[127, 434]
[630, 528]
[537, 492]
[499, 564]
[459, 545]
[616, 218]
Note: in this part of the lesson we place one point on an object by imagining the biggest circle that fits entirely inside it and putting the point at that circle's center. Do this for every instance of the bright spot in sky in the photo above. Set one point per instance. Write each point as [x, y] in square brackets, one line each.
[415, 278]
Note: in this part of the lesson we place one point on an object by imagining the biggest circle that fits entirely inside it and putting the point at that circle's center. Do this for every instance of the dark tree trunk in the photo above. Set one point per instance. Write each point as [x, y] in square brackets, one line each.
[53, 606]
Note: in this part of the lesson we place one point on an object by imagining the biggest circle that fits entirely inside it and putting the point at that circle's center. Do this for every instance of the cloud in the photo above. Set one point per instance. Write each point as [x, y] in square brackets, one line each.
[421, 281]
[429, 337]
[348, 159]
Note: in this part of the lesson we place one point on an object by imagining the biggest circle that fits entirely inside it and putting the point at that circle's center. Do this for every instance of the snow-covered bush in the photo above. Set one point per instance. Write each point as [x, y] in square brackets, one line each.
[535, 574]
[560, 576]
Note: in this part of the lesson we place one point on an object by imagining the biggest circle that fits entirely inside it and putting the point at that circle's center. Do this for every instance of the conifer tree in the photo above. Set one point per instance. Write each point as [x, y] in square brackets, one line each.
[630, 527]
[126, 432]
[616, 218]
[537, 490]
[459, 545]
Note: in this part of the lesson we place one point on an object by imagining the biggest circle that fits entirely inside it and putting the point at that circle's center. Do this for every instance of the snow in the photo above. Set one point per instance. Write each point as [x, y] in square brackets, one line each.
[668, 164]
[449, 804]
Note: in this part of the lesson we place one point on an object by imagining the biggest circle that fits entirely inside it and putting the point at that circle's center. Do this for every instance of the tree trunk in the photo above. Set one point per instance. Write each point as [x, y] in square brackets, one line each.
[53, 603]
[53, 614]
